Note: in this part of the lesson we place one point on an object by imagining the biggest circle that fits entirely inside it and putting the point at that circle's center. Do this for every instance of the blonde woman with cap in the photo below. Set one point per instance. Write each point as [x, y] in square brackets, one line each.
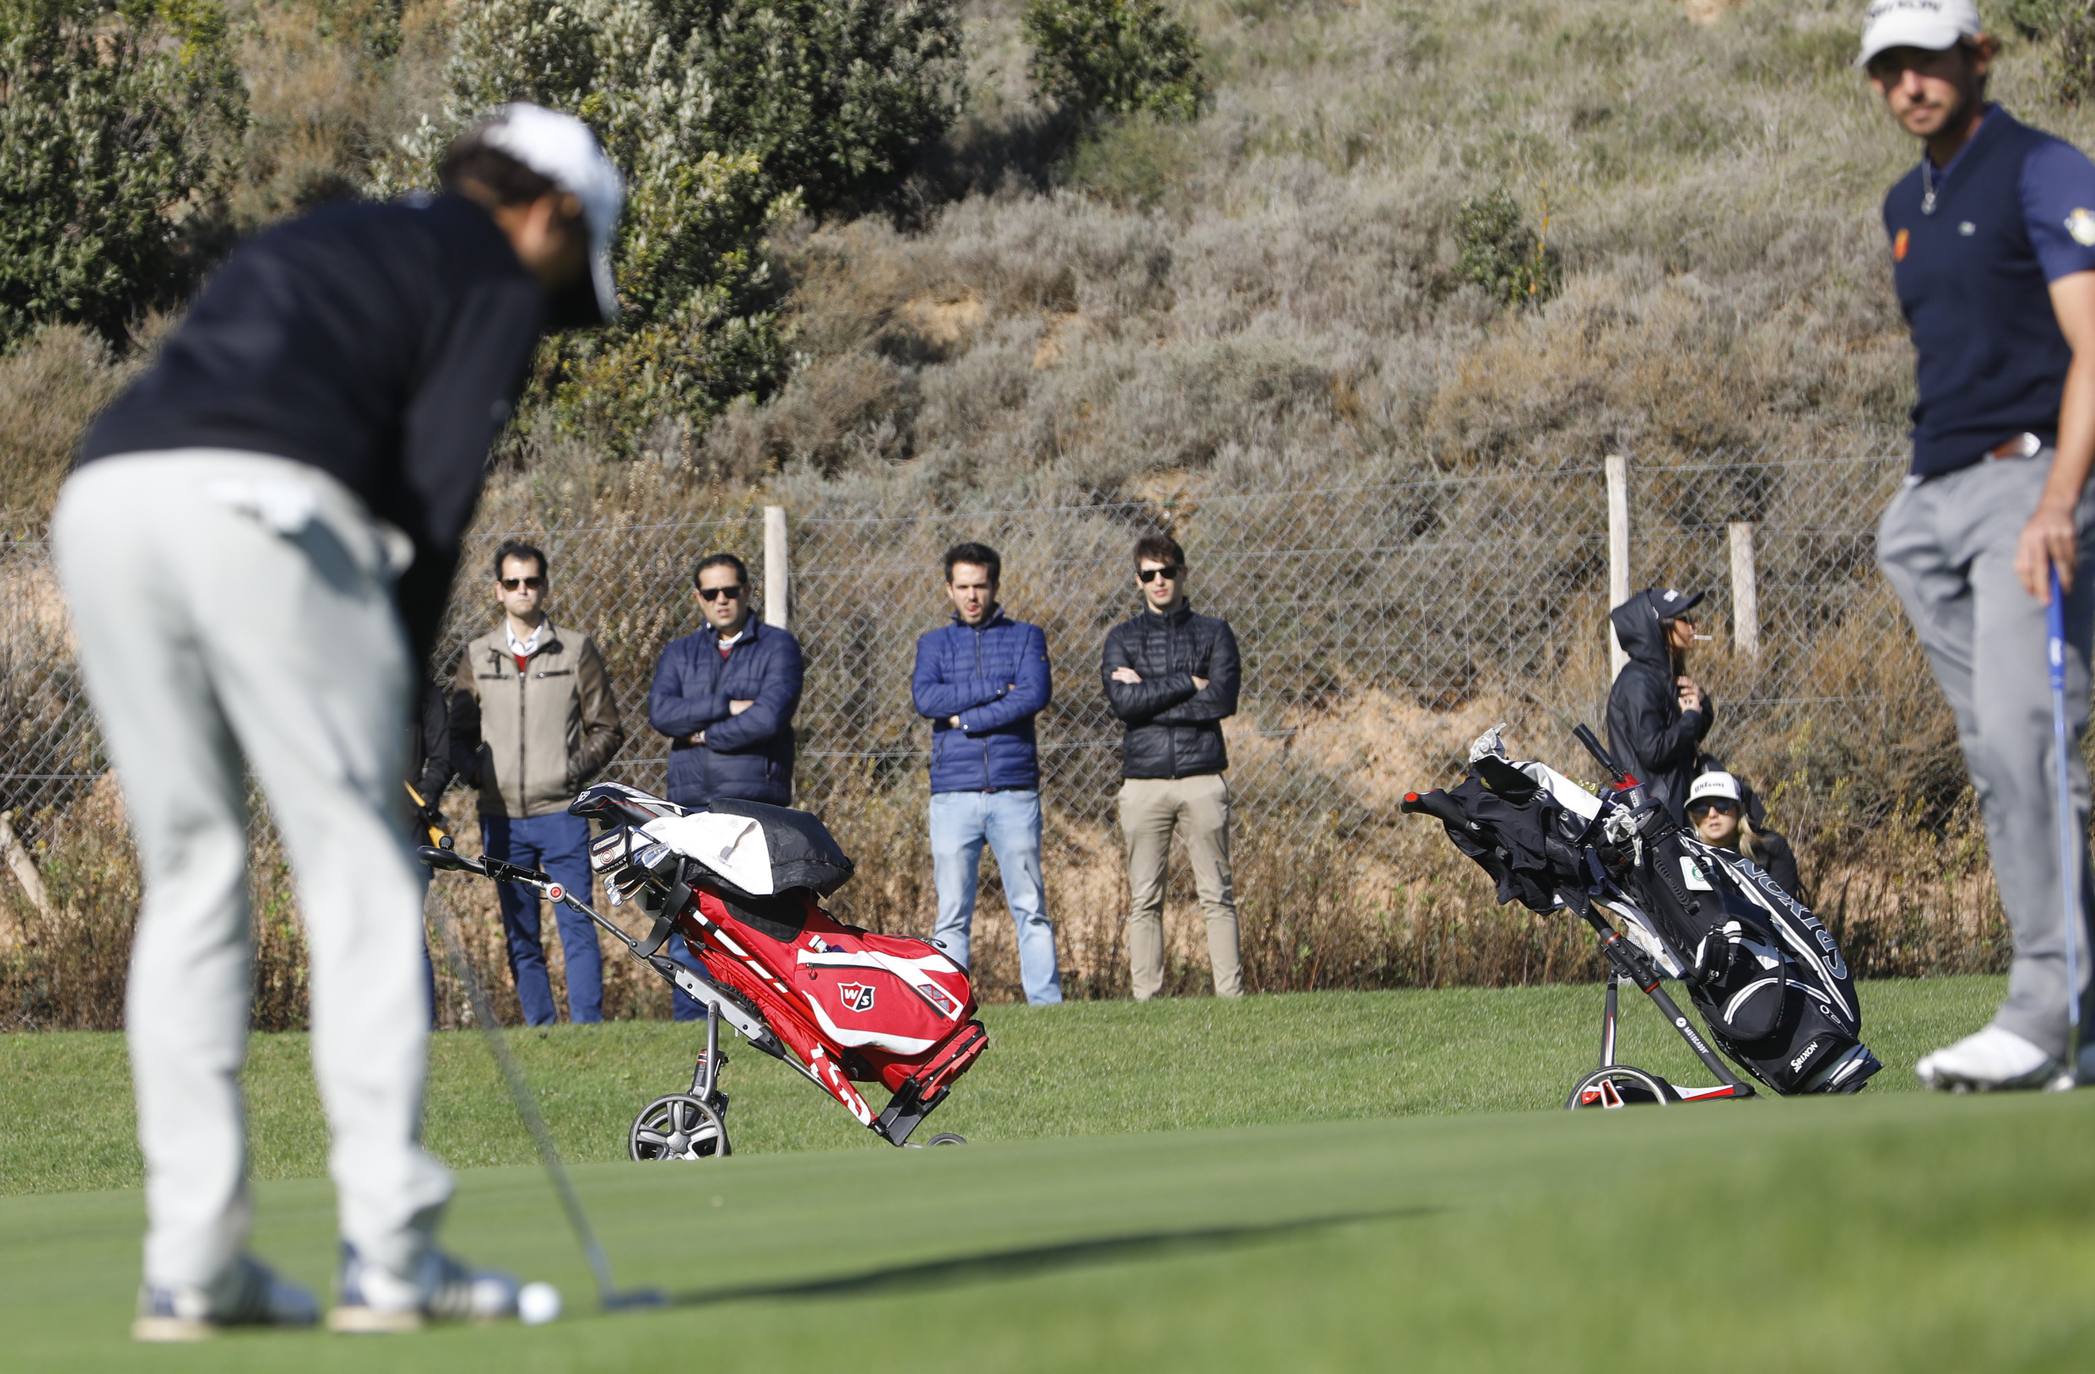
[1717, 810]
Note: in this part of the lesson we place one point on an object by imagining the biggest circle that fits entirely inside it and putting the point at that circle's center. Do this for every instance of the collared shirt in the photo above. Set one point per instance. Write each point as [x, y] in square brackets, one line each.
[727, 642]
[2013, 212]
[524, 648]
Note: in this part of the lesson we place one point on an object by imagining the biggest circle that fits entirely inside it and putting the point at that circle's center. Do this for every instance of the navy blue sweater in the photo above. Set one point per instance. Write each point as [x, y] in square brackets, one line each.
[995, 678]
[746, 757]
[383, 344]
[2014, 211]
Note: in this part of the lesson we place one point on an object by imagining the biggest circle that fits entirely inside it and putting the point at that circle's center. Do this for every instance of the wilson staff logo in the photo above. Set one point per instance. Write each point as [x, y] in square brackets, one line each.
[857, 996]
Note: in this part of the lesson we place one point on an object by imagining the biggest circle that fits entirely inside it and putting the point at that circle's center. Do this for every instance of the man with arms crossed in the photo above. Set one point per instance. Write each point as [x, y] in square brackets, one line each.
[1171, 676]
[725, 696]
[537, 699]
[1992, 241]
[981, 679]
[232, 544]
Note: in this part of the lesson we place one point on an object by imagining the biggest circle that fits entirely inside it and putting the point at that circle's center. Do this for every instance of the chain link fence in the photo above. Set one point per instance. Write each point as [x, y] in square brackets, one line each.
[1382, 626]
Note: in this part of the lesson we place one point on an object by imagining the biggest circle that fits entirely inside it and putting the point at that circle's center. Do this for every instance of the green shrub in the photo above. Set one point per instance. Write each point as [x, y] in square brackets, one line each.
[1500, 253]
[836, 98]
[728, 117]
[112, 127]
[1115, 57]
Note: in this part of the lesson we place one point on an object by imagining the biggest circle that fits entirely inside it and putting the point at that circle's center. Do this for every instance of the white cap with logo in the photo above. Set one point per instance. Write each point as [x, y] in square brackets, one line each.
[1713, 784]
[563, 150]
[1936, 25]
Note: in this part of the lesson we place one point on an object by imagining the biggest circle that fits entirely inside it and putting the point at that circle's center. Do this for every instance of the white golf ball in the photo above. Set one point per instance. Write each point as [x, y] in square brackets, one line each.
[537, 1303]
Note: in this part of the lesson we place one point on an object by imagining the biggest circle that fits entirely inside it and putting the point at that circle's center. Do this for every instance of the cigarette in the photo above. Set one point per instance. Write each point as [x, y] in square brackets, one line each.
[1702, 639]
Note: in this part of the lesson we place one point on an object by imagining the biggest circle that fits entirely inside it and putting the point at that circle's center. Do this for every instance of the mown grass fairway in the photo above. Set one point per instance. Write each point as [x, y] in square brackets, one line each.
[1214, 1228]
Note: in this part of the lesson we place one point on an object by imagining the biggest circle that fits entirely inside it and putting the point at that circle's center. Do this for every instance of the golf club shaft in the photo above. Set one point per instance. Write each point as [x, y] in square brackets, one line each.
[2069, 847]
[526, 1105]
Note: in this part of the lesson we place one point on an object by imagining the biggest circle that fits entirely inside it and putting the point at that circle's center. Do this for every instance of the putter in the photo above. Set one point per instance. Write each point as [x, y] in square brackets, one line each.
[2069, 850]
[610, 1297]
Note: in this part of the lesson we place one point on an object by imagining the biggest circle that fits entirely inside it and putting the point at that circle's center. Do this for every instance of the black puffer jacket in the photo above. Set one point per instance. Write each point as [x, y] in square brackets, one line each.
[1174, 730]
[1647, 731]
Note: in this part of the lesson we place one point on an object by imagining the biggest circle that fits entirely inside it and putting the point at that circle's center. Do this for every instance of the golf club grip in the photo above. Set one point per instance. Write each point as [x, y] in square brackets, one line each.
[1585, 736]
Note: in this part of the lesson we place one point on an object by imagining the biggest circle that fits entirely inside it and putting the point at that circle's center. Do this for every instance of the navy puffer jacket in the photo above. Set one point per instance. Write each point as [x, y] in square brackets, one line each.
[995, 678]
[748, 757]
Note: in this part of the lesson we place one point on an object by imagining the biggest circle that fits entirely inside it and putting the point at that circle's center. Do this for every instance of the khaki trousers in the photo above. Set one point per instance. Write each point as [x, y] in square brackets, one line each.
[235, 611]
[1198, 808]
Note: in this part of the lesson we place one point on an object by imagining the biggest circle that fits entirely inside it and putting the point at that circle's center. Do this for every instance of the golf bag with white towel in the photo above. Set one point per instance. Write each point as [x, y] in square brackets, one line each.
[1766, 976]
[740, 883]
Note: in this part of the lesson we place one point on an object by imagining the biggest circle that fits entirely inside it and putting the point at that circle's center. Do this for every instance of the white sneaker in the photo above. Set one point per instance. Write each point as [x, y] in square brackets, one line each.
[248, 1294]
[375, 1301]
[1992, 1058]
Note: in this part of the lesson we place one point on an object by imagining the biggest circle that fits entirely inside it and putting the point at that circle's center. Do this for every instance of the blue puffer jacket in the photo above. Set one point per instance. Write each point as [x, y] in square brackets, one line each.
[995, 678]
[750, 756]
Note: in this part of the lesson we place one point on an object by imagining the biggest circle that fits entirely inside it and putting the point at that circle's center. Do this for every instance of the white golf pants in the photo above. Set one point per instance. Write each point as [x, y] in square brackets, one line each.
[233, 607]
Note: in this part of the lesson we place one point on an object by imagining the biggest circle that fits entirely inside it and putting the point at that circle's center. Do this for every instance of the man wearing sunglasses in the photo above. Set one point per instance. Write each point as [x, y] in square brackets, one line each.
[537, 699]
[1171, 677]
[1991, 239]
[725, 697]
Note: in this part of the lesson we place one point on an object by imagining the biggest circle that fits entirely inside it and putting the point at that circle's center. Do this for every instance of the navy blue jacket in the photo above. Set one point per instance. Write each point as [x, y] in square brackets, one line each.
[995, 678]
[747, 757]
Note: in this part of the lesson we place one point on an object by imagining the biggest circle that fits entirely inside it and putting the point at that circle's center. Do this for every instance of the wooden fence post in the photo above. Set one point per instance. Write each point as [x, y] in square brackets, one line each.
[778, 573]
[1745, 591]
[1618, 552]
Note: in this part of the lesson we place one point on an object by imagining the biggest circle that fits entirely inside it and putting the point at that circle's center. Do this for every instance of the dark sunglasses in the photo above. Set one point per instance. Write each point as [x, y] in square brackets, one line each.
[1149, 575]
[1699, 809]
[711, 594]
[510, 584]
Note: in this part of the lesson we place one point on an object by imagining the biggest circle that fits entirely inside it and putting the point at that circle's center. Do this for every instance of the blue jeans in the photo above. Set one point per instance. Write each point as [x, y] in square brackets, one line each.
[559, 845]
[1010, 823]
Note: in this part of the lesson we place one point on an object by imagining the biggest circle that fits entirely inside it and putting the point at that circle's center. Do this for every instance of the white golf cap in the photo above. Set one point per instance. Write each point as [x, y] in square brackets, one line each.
[1713, 785]
[562, 149]
[1932, 24]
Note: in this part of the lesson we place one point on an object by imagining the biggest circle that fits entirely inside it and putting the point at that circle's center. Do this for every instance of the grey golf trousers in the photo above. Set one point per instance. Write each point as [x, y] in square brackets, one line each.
[1948, 547]
[234, 607]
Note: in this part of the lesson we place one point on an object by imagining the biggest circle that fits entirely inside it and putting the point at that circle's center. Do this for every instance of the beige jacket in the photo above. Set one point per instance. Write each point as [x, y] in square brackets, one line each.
[544, 732]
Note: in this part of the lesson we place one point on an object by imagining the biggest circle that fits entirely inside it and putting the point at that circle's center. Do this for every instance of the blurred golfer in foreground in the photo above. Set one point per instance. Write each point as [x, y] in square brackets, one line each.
[257, 542]
[1992, 240]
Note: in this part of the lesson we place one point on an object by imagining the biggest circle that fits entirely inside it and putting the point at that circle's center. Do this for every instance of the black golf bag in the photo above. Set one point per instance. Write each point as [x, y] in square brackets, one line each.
[1765, 974]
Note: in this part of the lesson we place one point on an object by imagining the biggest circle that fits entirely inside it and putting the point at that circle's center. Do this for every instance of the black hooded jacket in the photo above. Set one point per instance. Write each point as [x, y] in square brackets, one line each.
[1647, 731]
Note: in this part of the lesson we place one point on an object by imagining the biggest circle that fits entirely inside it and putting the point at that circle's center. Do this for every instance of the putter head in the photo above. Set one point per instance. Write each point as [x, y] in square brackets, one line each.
[633, 1299]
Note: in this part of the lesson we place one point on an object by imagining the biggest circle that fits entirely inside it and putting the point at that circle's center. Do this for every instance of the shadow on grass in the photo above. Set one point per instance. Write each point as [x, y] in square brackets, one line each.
[1035, 1259]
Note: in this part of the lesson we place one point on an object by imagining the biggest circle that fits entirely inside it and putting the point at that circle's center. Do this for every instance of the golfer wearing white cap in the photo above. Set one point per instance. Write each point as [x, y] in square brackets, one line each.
[256, 543]
[1992, 240]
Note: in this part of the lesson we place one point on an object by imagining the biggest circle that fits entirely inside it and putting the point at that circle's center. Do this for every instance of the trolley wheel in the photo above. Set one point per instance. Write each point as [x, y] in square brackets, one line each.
[947, 1138]
[1619, 1086]
[678, 1126]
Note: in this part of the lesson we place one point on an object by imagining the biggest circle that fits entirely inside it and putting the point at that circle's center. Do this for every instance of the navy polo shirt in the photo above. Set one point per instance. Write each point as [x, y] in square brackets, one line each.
[2014, 211]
